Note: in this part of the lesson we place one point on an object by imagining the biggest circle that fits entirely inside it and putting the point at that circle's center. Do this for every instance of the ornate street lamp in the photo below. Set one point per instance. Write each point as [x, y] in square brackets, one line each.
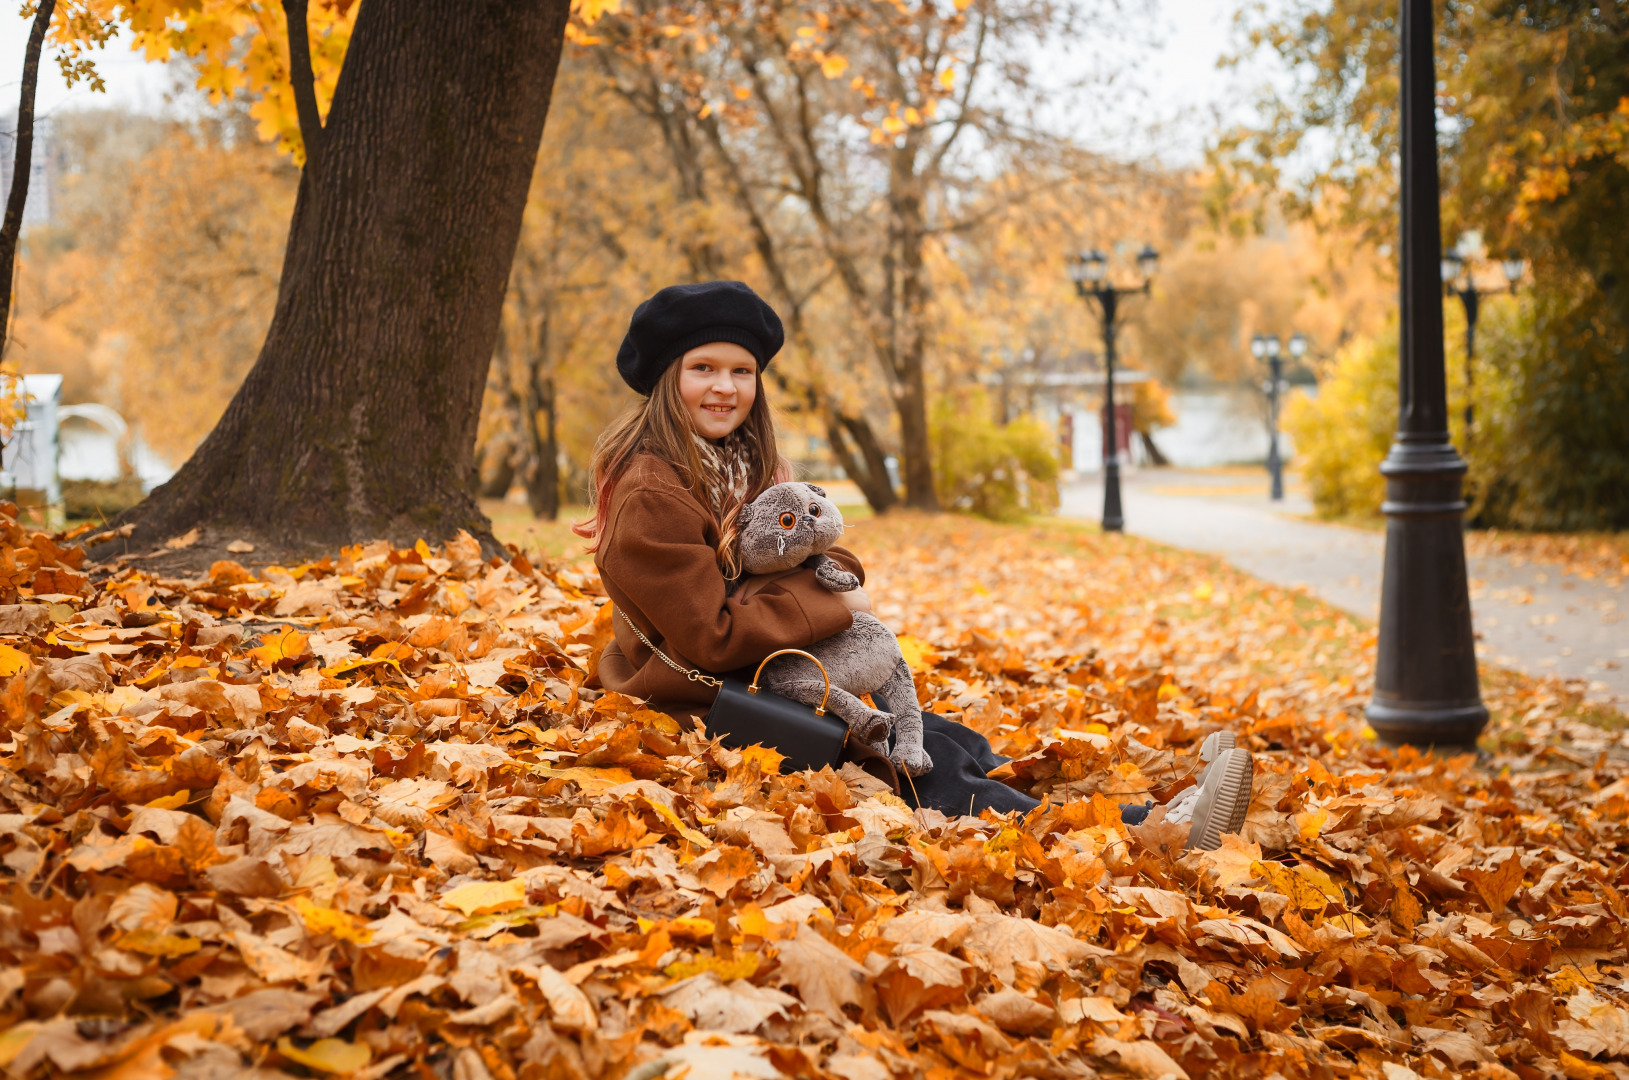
[1470, 294]
[1267, 347]
[1089, 270]
[1425, 683]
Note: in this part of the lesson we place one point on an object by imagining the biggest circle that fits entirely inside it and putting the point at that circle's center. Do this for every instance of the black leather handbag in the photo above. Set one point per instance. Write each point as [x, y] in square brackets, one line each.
[744, 715]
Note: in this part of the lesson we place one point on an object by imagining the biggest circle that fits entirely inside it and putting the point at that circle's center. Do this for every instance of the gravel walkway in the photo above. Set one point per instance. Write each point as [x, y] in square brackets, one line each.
[1530, 617]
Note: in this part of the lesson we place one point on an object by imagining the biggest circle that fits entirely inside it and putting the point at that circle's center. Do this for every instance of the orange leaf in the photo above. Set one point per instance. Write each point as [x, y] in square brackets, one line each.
[1496, 886]
[290, 645]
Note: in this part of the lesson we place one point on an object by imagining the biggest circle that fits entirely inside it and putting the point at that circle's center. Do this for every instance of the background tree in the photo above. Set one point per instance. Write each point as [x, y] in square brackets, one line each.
[151, 287]
[1535, 147]
[22, 160]
[849, 138]
[605, 226]
[359, 417]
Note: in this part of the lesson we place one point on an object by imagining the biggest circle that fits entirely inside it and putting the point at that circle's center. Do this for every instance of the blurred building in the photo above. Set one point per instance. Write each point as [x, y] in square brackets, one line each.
[43, 168]
[28, 460]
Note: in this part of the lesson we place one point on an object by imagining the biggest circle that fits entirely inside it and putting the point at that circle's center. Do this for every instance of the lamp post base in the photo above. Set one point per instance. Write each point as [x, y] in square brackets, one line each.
[1447, 724]
[1426, 689]
[1113, 517]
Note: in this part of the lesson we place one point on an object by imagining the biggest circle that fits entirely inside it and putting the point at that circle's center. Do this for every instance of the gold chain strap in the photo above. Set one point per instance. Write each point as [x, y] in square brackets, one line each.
[690, 673]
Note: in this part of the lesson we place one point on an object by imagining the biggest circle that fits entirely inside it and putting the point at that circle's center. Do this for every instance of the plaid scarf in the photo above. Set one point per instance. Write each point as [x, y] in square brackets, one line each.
[726, 470]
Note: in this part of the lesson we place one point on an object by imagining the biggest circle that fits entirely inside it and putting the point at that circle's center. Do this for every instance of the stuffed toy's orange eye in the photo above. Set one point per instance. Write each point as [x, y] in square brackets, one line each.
[814, 509]
[789, 520]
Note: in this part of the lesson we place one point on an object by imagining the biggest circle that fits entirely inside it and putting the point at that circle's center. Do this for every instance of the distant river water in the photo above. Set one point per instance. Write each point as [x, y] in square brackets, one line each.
[1215, 426]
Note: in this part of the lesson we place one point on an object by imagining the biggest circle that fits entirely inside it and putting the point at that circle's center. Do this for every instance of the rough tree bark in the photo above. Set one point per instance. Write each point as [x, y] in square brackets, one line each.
[358, 419]
[22, 165]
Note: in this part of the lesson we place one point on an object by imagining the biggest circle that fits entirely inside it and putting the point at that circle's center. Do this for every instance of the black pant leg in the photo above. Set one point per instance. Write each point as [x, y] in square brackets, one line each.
[1135, 813]
[957, 784]
[976, 745]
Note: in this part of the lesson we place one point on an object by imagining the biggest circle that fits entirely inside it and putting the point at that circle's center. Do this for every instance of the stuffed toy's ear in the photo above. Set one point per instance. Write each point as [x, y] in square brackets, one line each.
[743, 515]
[817, 489]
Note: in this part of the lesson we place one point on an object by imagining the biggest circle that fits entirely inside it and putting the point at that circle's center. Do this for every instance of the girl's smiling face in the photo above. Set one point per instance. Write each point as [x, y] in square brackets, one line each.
[718, 383]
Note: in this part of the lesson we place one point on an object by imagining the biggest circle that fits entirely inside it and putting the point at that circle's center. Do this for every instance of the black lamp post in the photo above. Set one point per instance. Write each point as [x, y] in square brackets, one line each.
[1266, 347]
[1453, 264]
[1425, 681]
[1089, 271]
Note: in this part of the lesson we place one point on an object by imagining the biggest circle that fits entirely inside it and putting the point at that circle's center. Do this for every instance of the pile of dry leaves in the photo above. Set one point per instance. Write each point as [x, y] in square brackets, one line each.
[363, 817]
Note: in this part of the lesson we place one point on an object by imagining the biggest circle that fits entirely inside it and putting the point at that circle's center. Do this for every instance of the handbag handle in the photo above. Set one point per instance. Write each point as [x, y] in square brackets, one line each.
[820, 710]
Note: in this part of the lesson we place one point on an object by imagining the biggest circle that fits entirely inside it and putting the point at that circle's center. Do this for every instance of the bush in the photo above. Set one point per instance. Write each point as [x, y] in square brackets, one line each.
[1552, 416]
[997, 471]
[1554, 452]
[1343, 433]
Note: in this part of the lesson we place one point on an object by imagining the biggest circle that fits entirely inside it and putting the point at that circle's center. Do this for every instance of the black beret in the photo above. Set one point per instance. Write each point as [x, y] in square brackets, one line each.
[682, 317]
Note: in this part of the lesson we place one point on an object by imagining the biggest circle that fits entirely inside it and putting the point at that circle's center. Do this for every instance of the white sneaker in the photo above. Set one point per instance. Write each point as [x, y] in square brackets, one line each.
[1179, 811]
[1213, 746]
[1223, 799]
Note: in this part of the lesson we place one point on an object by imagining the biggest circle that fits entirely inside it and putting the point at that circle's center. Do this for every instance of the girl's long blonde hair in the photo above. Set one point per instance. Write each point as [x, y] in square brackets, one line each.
[659, 425]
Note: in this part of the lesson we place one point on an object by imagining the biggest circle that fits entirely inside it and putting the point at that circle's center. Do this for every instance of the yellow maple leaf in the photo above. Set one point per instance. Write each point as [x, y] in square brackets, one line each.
[1574, 977]
[739, 967]
[1301, 889]
[1311, 822]
[14, 1039]
[341, 925]
[590, 10]
[13, 660]
[833, 66]
[666, 813]
[171, 802]
[483, 897]
[327, 1055]
[289, 645]
[751, 921]
[766, 758]
[918, 654]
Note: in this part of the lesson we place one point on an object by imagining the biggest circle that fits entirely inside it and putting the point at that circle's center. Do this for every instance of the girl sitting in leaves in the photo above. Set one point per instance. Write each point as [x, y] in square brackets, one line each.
[670, 478]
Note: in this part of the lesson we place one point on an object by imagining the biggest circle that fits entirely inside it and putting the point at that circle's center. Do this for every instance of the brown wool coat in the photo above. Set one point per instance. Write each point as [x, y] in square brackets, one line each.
[657, 560]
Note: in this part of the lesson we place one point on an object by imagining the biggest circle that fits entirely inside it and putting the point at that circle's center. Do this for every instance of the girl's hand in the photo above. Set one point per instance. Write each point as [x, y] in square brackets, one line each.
[855, 600]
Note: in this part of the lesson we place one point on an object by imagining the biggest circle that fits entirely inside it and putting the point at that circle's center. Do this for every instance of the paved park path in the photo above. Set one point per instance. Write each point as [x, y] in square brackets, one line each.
[1533, 618]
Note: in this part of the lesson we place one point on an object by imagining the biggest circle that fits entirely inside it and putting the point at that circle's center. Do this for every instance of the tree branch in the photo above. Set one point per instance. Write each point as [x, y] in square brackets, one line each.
[22, 164]
[304, 83]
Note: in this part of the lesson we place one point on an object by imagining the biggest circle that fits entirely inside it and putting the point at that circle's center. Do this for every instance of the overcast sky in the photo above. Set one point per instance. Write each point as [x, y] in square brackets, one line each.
[1174, 83]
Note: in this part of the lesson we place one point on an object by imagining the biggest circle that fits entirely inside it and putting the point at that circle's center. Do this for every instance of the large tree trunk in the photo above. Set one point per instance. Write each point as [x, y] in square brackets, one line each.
[358, 420]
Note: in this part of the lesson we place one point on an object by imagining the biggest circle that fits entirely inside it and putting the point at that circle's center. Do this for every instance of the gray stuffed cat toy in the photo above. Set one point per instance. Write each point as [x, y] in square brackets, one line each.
[792, 525]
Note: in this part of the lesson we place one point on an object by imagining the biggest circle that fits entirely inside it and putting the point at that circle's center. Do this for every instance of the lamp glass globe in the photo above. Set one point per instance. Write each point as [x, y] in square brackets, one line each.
[1148, 261]
[1097, 265]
